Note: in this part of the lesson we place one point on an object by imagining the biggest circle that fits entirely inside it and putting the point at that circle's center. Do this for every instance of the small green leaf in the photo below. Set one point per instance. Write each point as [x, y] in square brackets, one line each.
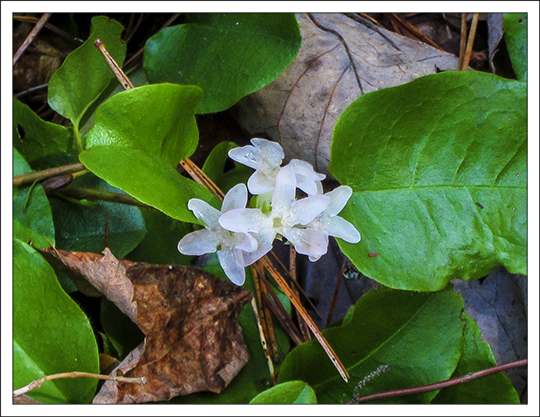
[27, 235]
[157, 119]
[477, 356]
[515, 35]
[50, 333]
[42, 144]
[292, 392]
[85, 73]
[417, 335]
[83, 229]
[30, 204]
[147, 178]
[438, 167]
[228, 55]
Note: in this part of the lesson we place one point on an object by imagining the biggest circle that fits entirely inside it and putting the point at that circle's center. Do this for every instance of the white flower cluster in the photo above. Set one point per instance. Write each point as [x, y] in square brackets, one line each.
[243, 235]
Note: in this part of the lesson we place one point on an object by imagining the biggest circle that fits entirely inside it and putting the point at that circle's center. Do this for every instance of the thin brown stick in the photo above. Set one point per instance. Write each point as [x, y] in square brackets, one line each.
[463, 41]
[470, 42]
[334, 298]
[304, 329]
[440, 385]
[31, 36]
[47, 173]
[125, 82]
[414, 31]
[38, 383]
[97, 195]
[57, 30]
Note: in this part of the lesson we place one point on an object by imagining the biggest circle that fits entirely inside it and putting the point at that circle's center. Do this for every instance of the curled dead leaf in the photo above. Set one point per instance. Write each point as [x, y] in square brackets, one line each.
[190, 318]
[340, 59]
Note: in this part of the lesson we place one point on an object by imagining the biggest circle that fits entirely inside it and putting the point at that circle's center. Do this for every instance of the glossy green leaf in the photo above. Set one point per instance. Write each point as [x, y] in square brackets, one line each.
[228, 55]
[147, 178]
[43, 144]
[417, 335]
[214, 167]
[82, 228]
[85, 73]
[292, 392]
[160, 244]
[515, 35]
[30, 205]
[50, 332]
[439, 172]
[157, 119]
[27, 235]
[139, 137]
[477, 356]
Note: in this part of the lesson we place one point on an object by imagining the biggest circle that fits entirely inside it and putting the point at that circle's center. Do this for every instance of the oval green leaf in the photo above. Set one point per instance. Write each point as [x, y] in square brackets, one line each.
[439, 172]
[292, 392]
[228, 55]
[515, 35]
[43, 144]
[85, 73]
[31, 207]
[85, 228]
[147, 178]
[157, 119]
[418, 336]
[477, 356]
[51, 334]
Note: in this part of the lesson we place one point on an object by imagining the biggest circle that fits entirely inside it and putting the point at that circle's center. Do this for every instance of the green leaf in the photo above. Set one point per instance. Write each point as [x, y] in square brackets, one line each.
[50, 332]
[477, 356]
[292, 392]
[139, 137]
[515, 35]
[147, 178]
[31, 206]
[27, 235]
[85, 73]
[120, 330]
[417, 335]
[157, 119]
[160, 244]
[214, 167]
[82, 229]
[228, 55]
[42, 144]
[438, 167]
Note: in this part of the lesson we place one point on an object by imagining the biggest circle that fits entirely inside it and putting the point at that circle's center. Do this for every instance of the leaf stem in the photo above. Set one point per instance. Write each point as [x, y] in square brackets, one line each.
[47, 173]
[440, 385]
[39, 382]
[90, 194]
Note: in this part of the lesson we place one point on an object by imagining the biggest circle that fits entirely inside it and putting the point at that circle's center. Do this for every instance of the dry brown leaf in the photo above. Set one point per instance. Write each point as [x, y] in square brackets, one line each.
[190, 318]
[340, 60]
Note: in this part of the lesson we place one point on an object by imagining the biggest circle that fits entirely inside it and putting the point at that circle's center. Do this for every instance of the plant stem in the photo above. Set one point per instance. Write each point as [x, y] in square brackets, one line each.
[439, 385]
[47, 173]
[38, 383]
[90, 194]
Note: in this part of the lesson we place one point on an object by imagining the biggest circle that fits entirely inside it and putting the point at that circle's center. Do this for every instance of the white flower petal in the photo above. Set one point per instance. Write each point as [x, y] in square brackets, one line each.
[251, 257]
[271, 151]
[246, 155]
[199, 242]
[307, 179]
[339, 197]
[259, 183]
[235, 198]
[204, 211]
[231, 261]
[308, 242]
[245, 242]
[245, 220]
[339, 227]
[285, 191]
[305, 210]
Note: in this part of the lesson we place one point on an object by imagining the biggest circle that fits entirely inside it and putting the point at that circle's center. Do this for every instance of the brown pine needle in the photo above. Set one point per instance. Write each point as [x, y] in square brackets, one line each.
[31, 36]
[470, 42]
